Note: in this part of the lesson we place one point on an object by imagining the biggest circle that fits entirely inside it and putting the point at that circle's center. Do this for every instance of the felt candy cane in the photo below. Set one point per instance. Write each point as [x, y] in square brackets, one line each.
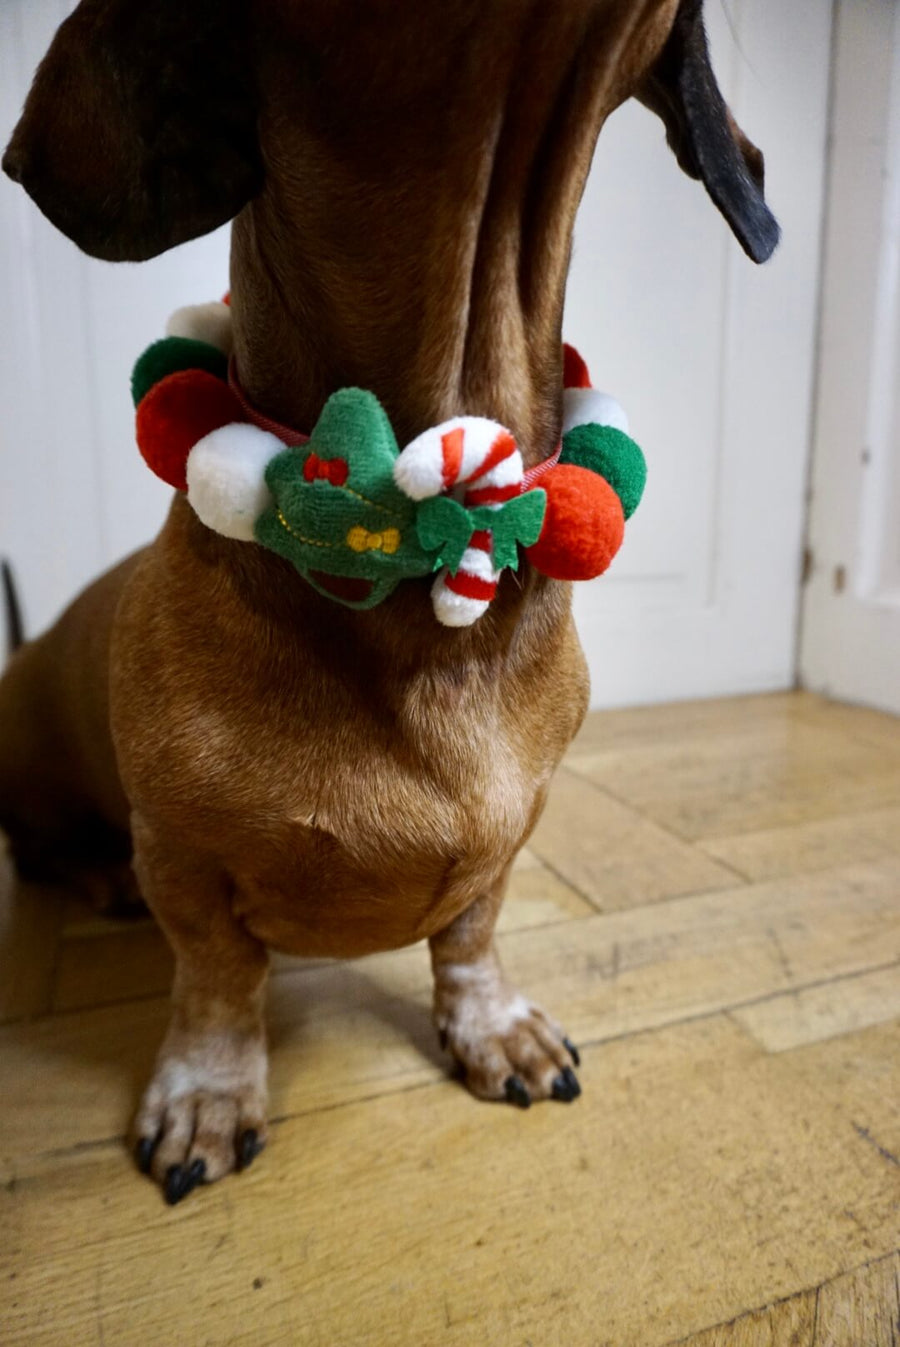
[478, 461]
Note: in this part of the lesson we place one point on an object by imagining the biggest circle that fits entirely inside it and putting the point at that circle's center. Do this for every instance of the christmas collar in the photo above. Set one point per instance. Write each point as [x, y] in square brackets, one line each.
[289, 436]
[353, 512]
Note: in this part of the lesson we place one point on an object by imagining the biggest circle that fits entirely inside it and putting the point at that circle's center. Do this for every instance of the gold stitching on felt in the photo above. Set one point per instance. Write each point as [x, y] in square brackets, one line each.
[385, 509]
[313, 542]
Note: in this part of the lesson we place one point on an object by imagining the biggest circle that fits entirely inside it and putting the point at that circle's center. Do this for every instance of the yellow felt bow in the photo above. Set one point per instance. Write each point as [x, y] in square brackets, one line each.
[361, 540]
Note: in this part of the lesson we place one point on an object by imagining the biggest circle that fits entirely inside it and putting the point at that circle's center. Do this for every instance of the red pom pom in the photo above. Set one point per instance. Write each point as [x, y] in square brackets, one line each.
[583, 525]
[175, 414]
[575, 371]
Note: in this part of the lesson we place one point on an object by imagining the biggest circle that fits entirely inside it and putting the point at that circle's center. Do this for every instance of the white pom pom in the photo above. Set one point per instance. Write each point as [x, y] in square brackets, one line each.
[226, 478]
[203, 322]
[590, 407]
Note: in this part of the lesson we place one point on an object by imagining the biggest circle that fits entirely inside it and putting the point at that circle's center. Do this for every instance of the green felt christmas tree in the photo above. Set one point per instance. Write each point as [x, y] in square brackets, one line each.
[337, 511]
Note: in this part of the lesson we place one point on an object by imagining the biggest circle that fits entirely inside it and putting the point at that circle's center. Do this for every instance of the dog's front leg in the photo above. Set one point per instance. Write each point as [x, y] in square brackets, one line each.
[204, 1112]
[507, 1046]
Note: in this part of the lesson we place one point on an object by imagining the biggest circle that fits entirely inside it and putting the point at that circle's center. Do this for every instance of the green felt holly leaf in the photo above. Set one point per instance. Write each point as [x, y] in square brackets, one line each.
[336, 510]
[517, 522]
[446, 526]
[613, 455]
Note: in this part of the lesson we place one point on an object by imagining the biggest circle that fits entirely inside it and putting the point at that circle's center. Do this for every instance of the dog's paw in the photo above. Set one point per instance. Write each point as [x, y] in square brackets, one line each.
[507, 1047]
[202, 1115]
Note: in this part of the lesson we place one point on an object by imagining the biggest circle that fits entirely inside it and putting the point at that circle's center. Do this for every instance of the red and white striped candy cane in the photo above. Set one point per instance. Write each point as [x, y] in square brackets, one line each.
[479, 463]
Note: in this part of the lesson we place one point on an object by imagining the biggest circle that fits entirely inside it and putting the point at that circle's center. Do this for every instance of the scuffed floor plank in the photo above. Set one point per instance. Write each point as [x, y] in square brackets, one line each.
[861, 1309]
[682, 722]
[749, 780]
[839, 1007]
[615, 856]
[640, 1213]
[791, 1323]
[810, 846]
[860, 722]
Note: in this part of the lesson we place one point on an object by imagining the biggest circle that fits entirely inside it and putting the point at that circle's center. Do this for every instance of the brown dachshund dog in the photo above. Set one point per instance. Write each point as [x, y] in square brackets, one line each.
[283, 772]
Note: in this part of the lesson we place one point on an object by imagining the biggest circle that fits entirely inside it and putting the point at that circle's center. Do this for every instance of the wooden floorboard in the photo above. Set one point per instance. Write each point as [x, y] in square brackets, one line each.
[712, 907]
[819, 845]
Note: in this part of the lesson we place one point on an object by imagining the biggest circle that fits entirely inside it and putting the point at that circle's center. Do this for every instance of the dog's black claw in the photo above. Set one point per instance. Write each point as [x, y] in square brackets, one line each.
[143, 1153]
[566, 1087]
[572, 1051]
[443, 1039]
[249, 1147]
[516, 1093]
[175, 1186]
[191, 1177]
[197, 1172]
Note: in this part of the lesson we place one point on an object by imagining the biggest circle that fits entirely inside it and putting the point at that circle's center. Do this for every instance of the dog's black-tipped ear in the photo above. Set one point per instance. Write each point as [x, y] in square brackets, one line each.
[681, 88]
[140, 128]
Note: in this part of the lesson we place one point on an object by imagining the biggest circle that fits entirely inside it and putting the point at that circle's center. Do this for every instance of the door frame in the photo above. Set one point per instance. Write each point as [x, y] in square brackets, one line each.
[849, 643]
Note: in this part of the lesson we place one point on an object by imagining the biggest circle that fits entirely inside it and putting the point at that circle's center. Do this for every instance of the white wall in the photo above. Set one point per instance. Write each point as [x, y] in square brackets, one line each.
[74, 493]
[711, 356]
[851, 628]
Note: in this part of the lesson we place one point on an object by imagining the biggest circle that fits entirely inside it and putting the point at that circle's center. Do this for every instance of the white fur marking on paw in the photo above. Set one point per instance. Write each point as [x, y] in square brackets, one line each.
[483, 1007]
[215, 1066]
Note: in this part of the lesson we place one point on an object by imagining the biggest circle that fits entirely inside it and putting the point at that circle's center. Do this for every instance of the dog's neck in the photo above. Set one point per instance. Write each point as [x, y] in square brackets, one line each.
[415, 241]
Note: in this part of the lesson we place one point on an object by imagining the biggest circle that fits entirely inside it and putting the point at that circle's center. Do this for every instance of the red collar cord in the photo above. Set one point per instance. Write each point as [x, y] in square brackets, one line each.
[289, 436]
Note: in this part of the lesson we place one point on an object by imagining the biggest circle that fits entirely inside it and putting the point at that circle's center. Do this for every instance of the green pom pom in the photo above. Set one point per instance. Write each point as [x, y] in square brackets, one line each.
[171, 355]
[611, 454]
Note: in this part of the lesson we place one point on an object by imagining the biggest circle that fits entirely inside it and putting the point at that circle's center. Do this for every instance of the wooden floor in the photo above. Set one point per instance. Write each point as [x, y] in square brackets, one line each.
[712, 907]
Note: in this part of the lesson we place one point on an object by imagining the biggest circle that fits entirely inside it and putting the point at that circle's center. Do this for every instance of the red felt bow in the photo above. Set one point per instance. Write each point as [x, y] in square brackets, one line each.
[333, 470]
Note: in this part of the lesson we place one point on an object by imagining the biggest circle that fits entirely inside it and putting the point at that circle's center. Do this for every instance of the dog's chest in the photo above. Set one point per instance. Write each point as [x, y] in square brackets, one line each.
[348, 832]
[351, 807]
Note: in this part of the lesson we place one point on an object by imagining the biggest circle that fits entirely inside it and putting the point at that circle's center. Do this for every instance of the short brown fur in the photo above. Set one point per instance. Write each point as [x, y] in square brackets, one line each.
[294, 775]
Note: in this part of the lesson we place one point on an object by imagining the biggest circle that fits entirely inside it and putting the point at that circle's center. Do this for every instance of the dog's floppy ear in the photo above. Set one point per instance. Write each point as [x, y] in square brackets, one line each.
[140, 128]
[681, 88]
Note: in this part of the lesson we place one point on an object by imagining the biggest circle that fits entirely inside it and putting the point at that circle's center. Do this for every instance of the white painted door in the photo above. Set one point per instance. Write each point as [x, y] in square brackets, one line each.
[711, 356]
[851, 620]
[713, 359]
